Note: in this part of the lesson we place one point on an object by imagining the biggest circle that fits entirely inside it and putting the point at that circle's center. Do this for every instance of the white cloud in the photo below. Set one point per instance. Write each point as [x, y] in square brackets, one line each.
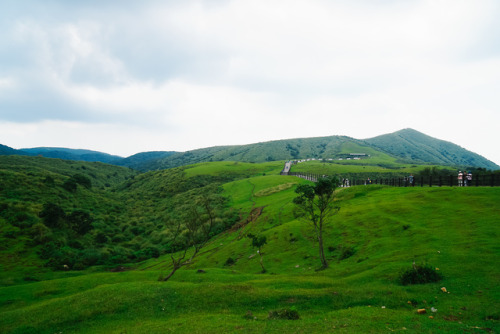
[200, 73]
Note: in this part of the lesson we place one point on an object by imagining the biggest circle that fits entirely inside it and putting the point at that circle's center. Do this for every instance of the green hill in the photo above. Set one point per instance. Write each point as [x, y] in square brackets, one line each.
[6, 150]
[71, 154]
[319, 148]
[402, 147]
[412, 145]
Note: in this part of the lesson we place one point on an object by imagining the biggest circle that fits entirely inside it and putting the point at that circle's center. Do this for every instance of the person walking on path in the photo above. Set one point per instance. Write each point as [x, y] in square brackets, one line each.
[460, 179]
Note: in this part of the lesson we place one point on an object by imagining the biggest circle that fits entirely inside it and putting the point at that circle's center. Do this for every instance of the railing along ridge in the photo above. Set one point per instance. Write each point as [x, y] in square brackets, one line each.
[481, 180]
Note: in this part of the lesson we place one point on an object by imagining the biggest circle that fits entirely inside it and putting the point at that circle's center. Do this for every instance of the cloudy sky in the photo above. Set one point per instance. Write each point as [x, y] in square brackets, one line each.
[130, 76]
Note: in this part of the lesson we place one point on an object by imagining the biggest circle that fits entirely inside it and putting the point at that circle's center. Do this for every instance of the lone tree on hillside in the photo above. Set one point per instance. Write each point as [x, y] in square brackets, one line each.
[315, 202]
[259, 241]
[193, 231]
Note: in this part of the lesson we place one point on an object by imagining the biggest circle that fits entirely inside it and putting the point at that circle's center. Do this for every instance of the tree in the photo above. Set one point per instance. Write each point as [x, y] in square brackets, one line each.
[316, 204]
[70, 185]
[53, 215]
[80, 221]
[259, 241]
[82, 180]
[193, 231]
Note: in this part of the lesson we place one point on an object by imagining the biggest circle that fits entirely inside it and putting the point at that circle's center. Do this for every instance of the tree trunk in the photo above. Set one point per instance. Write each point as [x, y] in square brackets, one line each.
[174, 269]
[324, 263]
[261, 264]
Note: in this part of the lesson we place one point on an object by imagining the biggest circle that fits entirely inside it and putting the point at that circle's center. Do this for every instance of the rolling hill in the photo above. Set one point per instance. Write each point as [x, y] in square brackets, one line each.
[404, 146]
[71, 154]
[415, 146]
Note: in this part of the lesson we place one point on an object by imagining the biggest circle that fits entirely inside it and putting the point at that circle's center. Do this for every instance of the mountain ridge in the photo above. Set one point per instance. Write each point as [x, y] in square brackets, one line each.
[406, 145]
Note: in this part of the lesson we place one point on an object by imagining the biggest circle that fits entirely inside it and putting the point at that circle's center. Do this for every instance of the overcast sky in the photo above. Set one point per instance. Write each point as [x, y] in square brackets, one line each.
[124, 77]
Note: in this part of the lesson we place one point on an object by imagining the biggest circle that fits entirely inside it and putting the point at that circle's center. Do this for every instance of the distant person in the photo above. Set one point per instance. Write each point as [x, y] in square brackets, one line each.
[412, 180]
[469, 178]
[460, 179]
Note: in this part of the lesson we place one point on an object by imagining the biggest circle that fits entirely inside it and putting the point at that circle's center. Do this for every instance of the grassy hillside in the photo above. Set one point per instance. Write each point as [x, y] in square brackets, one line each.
[321, 147]
[415, 146]
[359, 169]
[402, 147]
[378, 233]
[57, 214]
[406, 146]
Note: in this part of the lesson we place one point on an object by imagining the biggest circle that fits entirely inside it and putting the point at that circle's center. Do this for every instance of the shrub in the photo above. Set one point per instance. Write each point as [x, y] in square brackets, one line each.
[101, 238]
[346, 252]
[52, 215]
[151, 252]
[229, 262]
[82, 180]
[80, 221]
[286, 313]
[49, 181]
[70, 185]
[89, 257]
[419, 275]
[40, 234]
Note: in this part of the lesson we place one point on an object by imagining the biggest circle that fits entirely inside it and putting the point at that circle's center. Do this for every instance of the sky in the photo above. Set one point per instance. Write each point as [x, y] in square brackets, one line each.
[126, 76]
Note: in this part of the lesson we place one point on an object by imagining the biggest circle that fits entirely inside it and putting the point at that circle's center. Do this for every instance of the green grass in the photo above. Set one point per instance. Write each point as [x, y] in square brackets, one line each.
[365, 167]
[453, 229]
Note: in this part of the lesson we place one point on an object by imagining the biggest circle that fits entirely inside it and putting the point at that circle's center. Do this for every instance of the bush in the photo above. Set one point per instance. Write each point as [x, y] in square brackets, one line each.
[286, 313]
[229, 262]
[101, 238]
[80, 221]
[53, 215]
[346, 252]
[82, 180]
[40, 234]
[419, 275]
[70, 185]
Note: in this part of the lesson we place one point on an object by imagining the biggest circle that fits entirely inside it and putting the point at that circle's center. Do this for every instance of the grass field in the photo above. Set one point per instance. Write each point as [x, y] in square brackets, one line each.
[452, 229]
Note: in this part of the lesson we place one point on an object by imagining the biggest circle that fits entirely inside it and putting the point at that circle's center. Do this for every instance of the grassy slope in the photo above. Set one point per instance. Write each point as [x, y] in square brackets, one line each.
[320, 147]
[454, 229]
[411, 144]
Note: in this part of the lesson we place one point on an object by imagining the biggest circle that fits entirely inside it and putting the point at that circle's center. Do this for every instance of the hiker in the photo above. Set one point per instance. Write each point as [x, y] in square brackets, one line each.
[460, 179]
[468, 179]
